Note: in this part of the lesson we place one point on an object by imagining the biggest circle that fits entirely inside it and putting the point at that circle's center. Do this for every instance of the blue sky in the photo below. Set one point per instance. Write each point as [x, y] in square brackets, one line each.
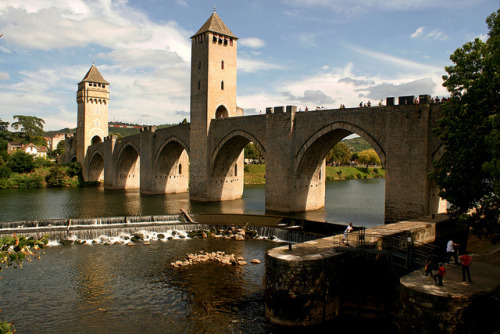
[290, 52]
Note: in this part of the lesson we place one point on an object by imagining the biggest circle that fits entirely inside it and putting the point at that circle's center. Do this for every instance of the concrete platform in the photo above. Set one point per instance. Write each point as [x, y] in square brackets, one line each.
[485, 278]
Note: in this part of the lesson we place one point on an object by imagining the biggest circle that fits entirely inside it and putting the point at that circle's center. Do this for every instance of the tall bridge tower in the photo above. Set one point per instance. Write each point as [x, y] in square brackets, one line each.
[93, 100]
[213, 96]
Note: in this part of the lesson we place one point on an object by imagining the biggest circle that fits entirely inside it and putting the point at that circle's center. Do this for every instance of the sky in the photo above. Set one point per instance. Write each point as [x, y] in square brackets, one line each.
[306, 53]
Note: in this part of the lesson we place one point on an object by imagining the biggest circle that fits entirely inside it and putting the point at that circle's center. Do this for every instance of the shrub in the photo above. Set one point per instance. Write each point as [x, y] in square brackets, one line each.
[28, 181]
[5, 172]
[74, 169]
[55, 178]
[42, 162]
[21, 162]
[358, 175]
[375, 170]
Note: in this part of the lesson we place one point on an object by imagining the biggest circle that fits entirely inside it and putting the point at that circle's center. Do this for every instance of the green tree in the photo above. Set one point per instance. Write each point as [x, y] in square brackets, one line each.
[340, 154]
[251, 152]
[21, 162]
[4, 126]
[31, 128]
[369, 157]
[468, 173]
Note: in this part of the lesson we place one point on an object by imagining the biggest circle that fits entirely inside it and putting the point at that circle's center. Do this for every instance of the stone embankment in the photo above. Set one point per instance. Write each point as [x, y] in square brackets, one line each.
[219, 257]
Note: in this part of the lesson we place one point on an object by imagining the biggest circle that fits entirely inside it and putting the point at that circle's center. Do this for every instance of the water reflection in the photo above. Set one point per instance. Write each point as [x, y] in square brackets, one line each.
[359, 201]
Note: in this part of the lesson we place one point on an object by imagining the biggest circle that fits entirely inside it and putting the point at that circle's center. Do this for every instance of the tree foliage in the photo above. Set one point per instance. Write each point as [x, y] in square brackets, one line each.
[56, 177]
[31, 126]
[251, 152]
[468, 174]
[21, 162]
[369, 157]
[340, 154]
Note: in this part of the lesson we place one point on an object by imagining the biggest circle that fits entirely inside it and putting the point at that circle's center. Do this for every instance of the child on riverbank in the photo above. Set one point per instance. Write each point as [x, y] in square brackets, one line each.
[438, 278]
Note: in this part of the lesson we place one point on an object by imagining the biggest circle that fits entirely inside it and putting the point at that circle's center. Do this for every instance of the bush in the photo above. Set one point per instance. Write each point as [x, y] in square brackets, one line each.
[55, 178]
[74, 169]
[21, 162]
[375, 170]
[42, 162]
[358, 175]
[5, 172]
[27, 181]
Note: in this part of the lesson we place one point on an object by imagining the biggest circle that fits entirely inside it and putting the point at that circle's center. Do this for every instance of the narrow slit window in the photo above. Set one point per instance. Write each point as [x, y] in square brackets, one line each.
[222, 85]
[222, 64]
[236, 170]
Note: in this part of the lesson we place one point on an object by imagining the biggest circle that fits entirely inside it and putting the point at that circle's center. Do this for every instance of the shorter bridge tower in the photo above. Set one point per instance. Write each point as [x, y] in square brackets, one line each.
[93, 100]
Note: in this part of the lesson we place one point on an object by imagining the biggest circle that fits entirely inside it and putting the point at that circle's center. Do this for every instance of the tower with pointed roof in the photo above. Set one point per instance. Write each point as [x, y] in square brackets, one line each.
[93, 100]
[213, 95]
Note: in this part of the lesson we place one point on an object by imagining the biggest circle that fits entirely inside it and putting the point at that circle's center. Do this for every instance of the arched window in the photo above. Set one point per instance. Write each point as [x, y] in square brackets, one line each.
[222, 64]
[222, 85]
[180, 168]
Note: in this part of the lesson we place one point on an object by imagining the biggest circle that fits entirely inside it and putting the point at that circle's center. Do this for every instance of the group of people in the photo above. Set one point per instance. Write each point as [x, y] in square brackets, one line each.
[437, 100]
[451, 251]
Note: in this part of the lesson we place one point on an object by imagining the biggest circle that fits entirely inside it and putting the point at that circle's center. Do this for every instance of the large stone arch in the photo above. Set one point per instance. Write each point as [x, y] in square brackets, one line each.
[96, 167]
[171, 167]
[226, 168]
[128, 168]
[315, 148]
[237, 140]
[310, 172]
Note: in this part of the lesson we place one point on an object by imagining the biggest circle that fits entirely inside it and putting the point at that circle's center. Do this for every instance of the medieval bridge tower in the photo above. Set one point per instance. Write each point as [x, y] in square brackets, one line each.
[213, 97]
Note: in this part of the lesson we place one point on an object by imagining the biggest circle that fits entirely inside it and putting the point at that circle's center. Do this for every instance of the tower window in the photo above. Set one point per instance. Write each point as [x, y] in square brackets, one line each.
[236, 170]
[222, 85]
[199, 85]
[231, 42]
[214, 39]
[199, 64]
[180, 168]
[222, 64]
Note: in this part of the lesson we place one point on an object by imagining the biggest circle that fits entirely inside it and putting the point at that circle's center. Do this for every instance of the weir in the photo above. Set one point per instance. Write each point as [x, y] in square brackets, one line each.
[280, 228]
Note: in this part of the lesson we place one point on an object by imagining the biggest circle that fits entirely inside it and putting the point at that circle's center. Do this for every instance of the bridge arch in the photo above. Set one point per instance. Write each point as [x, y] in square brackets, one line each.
[96, 167]
[170, 170]
[128, 167]
[316, 147]
[309, 175]
[229, 148]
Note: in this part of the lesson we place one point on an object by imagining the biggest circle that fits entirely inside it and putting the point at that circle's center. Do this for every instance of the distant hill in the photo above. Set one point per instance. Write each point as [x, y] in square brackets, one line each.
[118, 128]
[357, 144]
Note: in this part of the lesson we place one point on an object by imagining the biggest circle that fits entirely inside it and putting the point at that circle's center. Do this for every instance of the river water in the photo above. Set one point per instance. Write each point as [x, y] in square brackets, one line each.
[121, 289]
[357, 201]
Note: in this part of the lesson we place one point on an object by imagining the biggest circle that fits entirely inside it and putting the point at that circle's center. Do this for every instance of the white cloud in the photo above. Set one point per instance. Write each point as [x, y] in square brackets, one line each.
[252, 42]
[417, 32]
[4, 76]
[437, 34]
[340, 85]
[251, 65]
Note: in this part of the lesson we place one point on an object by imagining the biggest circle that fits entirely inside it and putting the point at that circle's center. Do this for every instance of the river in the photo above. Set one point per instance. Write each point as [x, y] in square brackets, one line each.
[120, 289]
[357, 201]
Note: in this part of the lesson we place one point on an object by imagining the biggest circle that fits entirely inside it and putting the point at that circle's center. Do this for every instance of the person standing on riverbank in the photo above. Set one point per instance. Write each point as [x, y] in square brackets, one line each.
[345, 238]
[451, 250]
[465, 261]
[428, 265]
[438, 278]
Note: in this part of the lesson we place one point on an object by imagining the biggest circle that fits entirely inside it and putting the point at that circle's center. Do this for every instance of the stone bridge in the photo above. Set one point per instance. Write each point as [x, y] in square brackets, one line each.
[294, 144]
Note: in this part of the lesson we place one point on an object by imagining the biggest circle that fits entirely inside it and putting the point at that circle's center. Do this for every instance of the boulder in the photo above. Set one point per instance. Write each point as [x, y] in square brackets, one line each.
[161, 236]
[255, 261]
[239, 237]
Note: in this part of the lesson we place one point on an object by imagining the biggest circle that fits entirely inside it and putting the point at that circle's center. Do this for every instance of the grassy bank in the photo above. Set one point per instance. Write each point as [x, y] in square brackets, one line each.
[255, 174]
